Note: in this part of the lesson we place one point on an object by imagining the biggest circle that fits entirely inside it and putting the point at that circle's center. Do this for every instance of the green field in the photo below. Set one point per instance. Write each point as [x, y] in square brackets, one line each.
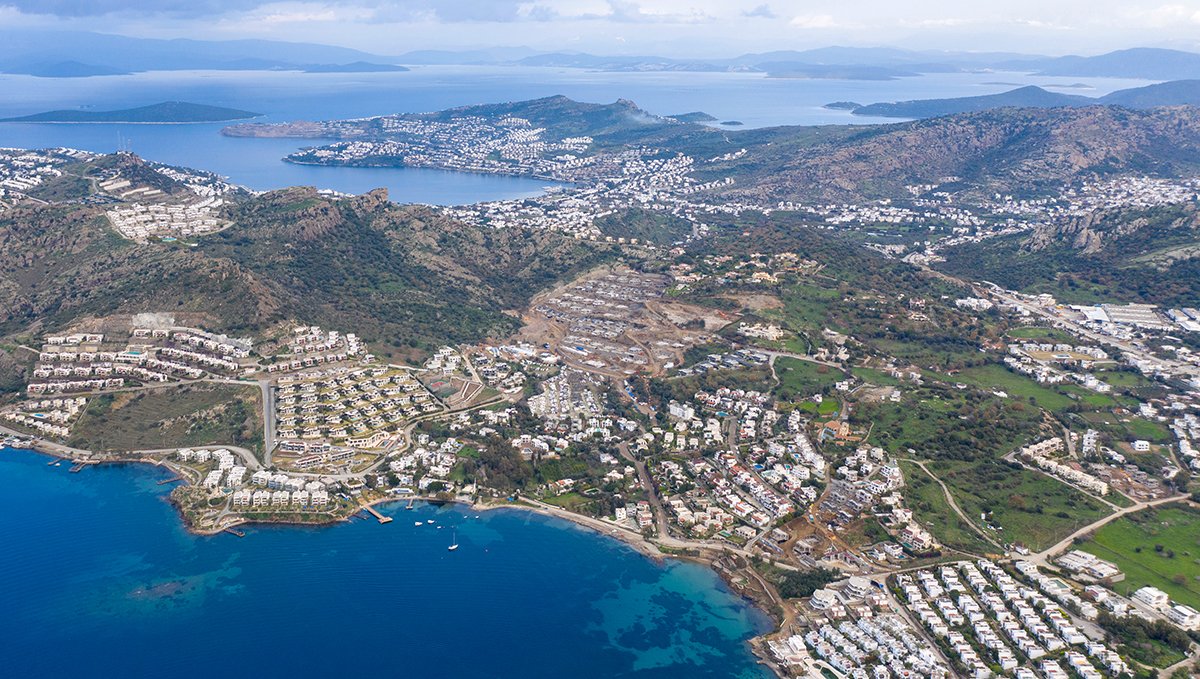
[1176, 529]
[997, 377]
[826, 408]
[1031, 508]
[925, 497]
[877, 377]
[1040, 334]
[1125, 379]
[1128, 429]
[570, 501]
[939, 422]
[170, 417]
[799, 378]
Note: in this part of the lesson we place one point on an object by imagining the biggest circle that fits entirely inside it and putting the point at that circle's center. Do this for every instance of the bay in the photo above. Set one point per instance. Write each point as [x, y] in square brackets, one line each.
[99, 578]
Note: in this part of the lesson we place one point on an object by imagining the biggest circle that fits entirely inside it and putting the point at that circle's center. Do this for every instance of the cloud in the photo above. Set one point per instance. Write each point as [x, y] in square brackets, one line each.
[91, 8]
[760, 12]
[813, 21]
[396, 10]
[1166, 15]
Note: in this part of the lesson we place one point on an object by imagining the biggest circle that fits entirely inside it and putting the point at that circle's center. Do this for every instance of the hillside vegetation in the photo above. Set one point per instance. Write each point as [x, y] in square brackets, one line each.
[400, 274]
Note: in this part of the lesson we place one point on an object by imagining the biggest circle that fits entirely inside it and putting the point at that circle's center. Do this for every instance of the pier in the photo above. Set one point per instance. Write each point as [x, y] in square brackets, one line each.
[377, 515]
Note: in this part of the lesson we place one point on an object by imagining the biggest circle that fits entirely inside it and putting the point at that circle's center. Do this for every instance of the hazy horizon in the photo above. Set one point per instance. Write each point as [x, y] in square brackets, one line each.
[669, 28]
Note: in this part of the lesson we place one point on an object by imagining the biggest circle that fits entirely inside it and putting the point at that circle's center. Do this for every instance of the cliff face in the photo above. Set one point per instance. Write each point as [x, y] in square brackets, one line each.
[1094, 232]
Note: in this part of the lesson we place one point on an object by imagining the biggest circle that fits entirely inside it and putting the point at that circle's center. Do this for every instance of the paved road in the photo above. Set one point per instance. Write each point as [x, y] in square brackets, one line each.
[660, 514]
[1045, 554]
[268, 405]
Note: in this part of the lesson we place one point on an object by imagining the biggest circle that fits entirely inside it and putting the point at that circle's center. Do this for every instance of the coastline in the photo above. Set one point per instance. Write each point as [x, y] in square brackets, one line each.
[646, 547]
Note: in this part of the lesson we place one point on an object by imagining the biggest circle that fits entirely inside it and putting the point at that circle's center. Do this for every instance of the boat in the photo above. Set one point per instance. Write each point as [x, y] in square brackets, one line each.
[429, 521]
[454, 545]
[418, 524]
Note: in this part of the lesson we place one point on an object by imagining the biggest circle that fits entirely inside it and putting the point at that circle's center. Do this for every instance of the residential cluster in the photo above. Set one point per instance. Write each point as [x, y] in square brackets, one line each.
[984, 615]
[93, 362]
[139, 222]
[309, 345]
[23, 171]
[49, 416]
[360, 407]
[853, 629]
[1041, 453]
[465, 143]
[570, 398]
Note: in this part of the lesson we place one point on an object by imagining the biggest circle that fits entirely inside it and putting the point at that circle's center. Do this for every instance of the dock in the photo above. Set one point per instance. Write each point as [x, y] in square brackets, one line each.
[233, 531]
[173, 479]
[79, 467]
[377, 515]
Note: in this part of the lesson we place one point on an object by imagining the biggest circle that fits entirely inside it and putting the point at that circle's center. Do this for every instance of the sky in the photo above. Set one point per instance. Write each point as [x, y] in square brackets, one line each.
[676, 28]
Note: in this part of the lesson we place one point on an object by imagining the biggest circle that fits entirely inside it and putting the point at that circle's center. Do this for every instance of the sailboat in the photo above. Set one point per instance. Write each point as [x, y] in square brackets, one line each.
[454, 545]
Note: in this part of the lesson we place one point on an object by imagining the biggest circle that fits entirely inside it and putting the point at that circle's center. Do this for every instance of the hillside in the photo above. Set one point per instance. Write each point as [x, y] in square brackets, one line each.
[403, 275]
[1174, 93]
[165, 112]
[1021, 150]
[1138, 255]
[928, 108]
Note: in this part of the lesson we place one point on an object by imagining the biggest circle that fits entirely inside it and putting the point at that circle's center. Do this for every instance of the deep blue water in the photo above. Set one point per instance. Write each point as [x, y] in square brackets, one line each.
[525, 596]
[281, 96]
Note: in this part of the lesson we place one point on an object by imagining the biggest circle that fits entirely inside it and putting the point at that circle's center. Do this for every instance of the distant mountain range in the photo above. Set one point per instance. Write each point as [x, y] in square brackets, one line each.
[166, 112]
[66, 54]
[853, 63]
[84, 54]
[1175, 93]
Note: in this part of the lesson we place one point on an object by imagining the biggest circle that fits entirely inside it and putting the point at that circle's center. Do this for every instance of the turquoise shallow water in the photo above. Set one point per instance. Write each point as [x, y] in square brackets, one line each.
[100, 579]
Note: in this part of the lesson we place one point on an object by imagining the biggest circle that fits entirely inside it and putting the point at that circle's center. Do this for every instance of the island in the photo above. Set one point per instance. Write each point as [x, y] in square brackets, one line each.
[64, 69]
[167, 112]
[843, 105]
[355, 67]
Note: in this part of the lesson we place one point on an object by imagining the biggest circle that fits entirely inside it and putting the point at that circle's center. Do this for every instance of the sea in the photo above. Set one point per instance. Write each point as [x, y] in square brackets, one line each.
[752, 99]
[99, 578]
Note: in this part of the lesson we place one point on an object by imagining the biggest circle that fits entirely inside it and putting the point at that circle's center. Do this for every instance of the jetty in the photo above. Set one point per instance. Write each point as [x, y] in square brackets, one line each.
[234, 531]
[377, 515]
[173, 479]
